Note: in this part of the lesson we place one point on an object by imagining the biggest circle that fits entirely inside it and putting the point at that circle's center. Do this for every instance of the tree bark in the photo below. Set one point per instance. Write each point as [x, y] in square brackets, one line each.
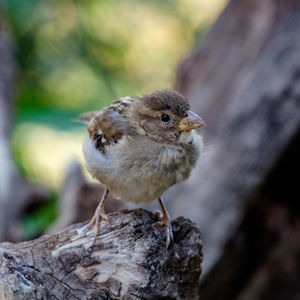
[128, 261]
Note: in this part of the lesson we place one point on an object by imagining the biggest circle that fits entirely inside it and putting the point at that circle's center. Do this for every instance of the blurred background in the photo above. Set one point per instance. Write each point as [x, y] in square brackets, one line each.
[75, 56]
[238, 63]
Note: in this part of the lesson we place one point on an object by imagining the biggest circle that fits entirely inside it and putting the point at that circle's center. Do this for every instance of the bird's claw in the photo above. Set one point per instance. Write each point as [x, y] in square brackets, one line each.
[95, 221]
[165, 221]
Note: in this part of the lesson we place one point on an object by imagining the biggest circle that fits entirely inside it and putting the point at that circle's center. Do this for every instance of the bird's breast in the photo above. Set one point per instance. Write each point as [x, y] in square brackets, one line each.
[140, 170]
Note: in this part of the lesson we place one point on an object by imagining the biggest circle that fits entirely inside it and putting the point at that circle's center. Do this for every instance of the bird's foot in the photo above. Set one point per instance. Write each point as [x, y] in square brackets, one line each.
[95, 221]
[165, 220]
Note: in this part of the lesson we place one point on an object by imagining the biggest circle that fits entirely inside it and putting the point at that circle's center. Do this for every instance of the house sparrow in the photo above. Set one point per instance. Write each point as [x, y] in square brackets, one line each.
[138, 147]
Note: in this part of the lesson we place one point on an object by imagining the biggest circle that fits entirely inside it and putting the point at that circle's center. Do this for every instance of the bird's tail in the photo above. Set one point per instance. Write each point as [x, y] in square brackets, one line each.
[86, 117]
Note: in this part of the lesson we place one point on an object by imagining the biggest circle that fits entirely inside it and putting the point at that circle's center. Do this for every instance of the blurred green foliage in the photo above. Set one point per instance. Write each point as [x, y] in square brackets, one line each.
[74, 56]
[77, 55]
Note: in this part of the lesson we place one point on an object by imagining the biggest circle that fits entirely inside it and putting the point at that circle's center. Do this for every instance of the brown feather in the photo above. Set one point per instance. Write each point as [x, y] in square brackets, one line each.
[135, 115]
[109, 125]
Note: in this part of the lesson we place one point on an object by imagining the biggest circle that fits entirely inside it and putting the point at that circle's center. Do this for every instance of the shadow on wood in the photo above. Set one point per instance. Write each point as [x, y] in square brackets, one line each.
[128, 261]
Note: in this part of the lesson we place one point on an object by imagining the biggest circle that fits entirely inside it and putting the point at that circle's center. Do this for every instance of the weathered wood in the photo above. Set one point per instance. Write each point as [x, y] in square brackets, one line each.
[128, 261]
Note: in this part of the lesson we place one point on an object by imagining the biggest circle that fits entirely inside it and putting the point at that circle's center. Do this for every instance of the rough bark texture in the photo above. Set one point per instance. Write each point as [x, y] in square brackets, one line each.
[128, 261]
[244, 79]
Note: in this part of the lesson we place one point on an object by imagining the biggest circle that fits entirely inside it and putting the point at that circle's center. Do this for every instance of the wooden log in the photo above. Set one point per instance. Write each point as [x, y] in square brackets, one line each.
[128, 261]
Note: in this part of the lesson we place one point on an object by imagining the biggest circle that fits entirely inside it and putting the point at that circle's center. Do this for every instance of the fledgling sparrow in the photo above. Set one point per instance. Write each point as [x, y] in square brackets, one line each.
[138, 147]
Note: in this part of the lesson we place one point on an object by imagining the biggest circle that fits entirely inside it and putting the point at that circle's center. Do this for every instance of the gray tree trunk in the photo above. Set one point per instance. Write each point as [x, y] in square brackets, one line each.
[244, 79]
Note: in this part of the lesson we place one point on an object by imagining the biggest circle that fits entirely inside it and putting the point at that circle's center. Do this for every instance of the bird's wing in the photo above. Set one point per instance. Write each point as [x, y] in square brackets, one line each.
[110, 124]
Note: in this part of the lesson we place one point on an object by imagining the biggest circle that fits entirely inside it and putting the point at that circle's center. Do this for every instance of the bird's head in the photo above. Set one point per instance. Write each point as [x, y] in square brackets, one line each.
[165, 114]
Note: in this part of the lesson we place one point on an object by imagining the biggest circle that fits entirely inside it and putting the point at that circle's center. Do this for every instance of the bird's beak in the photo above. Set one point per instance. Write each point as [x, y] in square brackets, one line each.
[192, 121]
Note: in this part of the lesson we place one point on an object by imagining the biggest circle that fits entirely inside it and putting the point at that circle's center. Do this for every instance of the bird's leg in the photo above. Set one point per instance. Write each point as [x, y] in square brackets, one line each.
[99, 214]
[165, 219]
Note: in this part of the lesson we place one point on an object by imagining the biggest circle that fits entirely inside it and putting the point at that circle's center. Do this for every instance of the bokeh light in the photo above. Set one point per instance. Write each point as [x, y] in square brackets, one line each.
[76, 56]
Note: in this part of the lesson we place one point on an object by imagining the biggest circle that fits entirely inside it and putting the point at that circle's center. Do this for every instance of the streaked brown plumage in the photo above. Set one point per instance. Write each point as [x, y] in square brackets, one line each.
[139, 146]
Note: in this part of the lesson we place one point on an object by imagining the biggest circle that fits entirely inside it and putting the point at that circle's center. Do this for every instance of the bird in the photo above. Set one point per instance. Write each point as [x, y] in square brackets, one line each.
[138, 147]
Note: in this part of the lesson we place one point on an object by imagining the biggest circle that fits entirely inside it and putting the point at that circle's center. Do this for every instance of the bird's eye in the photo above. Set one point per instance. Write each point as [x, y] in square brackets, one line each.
[165, 118]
